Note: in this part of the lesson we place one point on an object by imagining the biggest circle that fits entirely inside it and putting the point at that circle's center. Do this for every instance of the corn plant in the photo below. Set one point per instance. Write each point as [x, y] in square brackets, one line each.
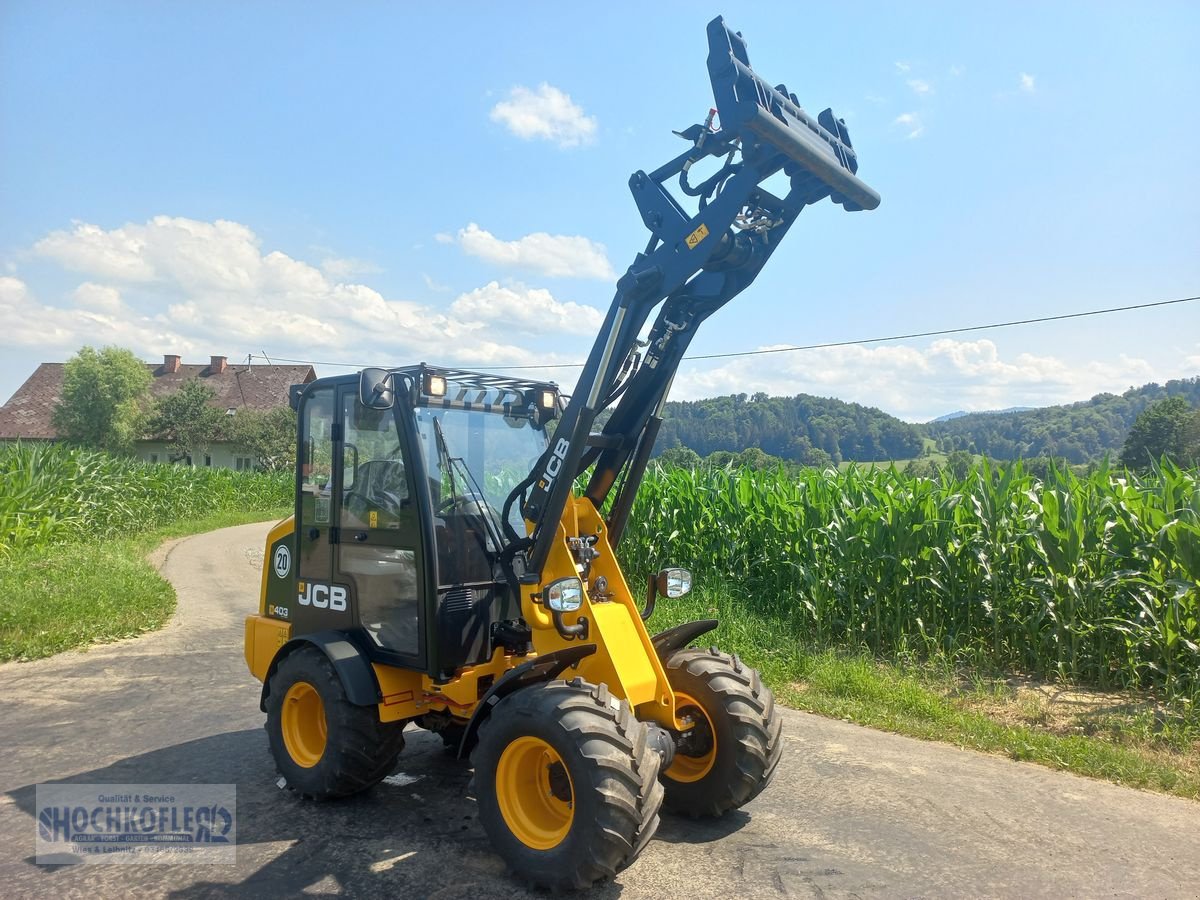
[50, 493]
[1088, 578]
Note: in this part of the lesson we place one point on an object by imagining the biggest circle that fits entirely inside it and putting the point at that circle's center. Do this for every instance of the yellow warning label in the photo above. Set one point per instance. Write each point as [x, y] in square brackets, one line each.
[696, 237]
[374, 519]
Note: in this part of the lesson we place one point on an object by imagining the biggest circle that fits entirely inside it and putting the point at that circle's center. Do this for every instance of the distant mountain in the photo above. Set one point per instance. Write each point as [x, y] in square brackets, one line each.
[1077, 431]
[959, 413]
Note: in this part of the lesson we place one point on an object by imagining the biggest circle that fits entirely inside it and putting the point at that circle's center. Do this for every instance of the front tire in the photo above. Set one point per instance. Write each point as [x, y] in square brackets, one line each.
[734, 746]
[325, 746]
[567, 783]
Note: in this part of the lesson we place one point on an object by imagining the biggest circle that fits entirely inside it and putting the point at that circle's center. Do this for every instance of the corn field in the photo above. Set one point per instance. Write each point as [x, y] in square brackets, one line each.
[50, 493]
[1090, 578]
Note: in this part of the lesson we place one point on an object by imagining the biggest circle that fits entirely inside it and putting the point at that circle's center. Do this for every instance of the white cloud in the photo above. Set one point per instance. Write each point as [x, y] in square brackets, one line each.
[911, 123]
[920, 86]
[902, 67]
[107, 254]
[531, 310]
[956, 71]
[434, 285]
[99, 297]
[546, 114]
[1193, 360]
[557, 255]
[177, 285]
[919, 383]
[341, 269]
[1027, 83]
[96, 316]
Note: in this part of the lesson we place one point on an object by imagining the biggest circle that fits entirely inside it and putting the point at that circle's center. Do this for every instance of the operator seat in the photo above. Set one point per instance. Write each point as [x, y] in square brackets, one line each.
[379, 485]
[385, 577]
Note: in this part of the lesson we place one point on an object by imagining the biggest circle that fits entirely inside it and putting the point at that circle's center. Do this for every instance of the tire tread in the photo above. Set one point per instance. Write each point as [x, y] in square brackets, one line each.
[621, 768]
[748, 706]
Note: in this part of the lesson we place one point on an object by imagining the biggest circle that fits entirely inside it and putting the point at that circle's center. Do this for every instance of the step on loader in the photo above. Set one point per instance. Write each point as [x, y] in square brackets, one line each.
[442, 568]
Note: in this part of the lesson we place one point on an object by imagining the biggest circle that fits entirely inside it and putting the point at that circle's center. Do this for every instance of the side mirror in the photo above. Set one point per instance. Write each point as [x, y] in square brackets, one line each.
[673, 583]
[375, 389]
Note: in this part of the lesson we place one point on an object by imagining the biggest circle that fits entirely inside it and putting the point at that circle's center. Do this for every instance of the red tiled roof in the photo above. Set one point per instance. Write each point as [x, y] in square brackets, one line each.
[28, 413]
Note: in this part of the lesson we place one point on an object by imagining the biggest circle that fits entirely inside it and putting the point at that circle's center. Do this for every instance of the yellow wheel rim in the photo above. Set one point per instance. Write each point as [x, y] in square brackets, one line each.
[693, 768]
[535, 793]
[302, 721]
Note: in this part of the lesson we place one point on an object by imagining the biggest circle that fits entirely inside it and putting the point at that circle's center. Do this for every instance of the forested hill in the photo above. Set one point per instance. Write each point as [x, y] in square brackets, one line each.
[817, 430]
[801, 428]
[1078, 431]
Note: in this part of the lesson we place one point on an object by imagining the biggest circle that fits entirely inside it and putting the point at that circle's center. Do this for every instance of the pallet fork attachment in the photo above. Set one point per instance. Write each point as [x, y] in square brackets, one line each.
[749, 105]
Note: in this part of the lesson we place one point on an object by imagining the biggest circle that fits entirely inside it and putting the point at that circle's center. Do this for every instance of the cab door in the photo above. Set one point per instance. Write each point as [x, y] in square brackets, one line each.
[318, 604]
[377, 554]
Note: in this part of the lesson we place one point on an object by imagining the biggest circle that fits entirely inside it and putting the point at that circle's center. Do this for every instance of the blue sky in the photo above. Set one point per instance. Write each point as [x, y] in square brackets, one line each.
[382, 183]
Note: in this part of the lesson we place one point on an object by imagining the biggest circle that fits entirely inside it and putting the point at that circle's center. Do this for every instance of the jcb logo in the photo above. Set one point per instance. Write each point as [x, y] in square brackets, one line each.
[554, 466]
[322, 596]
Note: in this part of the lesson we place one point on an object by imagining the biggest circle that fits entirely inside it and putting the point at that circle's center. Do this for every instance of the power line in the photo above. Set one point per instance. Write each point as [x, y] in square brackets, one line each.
[921, 334]
[829, 344]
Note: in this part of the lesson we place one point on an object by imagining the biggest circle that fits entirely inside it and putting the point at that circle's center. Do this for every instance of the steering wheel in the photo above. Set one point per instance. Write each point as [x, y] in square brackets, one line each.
[461, 500]
[385, 502]
[357, 504]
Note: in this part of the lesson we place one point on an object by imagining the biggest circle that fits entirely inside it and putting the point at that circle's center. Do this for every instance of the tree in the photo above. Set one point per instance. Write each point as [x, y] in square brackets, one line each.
[958, 464]
[269, 436]
[186, 421]
[680, 458]
[754, 458]
[104, 398]
[920, 468]
[1191, 441]
[817, 459]
[1162, 429]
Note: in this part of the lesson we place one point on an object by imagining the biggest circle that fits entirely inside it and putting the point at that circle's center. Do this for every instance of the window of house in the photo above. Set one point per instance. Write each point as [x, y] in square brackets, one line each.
[153, 457]
[243, 463]
[207, 460]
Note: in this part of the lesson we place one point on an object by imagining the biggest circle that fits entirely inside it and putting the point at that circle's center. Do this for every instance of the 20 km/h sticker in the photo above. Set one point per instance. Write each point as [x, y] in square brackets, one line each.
[282, 561]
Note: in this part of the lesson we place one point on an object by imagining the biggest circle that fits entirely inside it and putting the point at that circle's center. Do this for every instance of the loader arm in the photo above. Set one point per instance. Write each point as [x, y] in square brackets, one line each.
[693, 265]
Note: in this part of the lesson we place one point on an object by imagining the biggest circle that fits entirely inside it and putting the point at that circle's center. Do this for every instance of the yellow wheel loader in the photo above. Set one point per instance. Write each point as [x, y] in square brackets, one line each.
[443, 570]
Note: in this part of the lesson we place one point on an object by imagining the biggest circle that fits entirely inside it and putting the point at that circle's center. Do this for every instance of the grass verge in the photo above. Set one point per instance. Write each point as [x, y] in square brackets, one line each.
[1127, 739]
[63, 596]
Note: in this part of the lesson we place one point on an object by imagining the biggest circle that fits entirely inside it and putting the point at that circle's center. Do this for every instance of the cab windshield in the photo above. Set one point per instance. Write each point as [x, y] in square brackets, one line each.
[472, 456]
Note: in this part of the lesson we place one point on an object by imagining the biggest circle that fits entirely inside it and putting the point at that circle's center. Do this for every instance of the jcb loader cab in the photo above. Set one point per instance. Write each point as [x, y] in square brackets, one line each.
[441, 570]
[396, 537]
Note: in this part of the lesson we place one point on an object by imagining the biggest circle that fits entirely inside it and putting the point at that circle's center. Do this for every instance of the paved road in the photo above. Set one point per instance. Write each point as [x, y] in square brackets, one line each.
[852, 812]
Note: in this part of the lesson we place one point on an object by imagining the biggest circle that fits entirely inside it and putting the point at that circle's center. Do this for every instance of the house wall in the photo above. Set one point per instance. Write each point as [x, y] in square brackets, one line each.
[220, 455]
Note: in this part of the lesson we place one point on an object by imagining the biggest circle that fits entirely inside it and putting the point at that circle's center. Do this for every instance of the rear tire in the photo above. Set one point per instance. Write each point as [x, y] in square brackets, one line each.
[567, 784]
[324, 745]
[736, 742]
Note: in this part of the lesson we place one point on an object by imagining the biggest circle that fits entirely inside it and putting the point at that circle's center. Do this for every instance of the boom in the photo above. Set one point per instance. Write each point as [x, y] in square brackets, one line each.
[692, 265]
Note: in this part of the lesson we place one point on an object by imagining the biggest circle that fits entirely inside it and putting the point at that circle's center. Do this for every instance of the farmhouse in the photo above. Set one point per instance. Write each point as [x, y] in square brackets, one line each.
[28, 414]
